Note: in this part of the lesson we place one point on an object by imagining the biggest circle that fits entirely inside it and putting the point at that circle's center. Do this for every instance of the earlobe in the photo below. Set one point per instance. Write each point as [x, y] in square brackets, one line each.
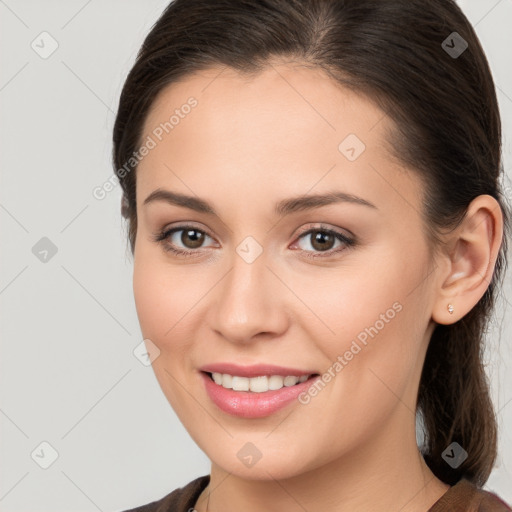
[470, 264]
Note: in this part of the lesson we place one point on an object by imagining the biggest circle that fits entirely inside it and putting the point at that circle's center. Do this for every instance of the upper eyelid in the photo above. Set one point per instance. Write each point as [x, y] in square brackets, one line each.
[184, 227]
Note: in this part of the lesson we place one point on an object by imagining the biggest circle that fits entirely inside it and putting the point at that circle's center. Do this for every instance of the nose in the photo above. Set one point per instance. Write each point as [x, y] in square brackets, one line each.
[248, 302]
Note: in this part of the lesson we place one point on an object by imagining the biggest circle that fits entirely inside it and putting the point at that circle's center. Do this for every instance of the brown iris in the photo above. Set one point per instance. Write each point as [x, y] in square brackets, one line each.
[195, 235]
[320, 238]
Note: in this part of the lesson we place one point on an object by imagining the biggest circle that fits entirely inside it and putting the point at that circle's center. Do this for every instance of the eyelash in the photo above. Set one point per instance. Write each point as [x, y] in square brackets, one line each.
[163, 236]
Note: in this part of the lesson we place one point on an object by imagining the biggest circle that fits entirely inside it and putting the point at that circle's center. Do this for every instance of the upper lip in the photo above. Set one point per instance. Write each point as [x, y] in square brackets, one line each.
[254, 370]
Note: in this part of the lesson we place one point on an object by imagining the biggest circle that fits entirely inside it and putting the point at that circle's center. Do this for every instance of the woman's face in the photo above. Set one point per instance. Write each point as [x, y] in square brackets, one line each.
[256, 290]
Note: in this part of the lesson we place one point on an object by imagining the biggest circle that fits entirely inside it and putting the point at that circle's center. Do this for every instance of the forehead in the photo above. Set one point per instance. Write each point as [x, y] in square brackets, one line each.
[284, 94]
[290, 126]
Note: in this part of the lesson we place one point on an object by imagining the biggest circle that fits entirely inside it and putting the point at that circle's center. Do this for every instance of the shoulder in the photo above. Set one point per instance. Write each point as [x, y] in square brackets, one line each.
[181, 499]
[465, 496]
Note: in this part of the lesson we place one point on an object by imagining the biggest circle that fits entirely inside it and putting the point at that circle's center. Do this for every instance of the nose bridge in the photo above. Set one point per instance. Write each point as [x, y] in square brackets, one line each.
[247, 302]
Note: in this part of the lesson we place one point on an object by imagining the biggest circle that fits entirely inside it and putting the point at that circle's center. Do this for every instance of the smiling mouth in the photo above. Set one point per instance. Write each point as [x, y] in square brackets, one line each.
[259, 384]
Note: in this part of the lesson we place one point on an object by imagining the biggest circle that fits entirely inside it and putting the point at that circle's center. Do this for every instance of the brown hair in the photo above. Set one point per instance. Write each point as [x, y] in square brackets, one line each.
[447, 129]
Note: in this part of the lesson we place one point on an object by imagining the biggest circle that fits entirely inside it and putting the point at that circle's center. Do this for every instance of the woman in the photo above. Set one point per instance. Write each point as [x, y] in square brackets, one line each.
[318, 231]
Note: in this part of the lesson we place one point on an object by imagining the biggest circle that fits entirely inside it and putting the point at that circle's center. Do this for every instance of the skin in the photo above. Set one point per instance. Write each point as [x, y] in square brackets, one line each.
[249, 143]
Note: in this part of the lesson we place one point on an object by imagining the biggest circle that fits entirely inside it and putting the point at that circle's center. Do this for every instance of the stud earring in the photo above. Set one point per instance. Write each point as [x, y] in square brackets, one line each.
[450, 309]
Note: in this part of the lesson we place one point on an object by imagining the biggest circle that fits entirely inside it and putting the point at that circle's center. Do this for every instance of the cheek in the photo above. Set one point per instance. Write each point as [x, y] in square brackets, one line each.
[170, 300]
[149, 299]
[375, 334]
[162, 302]
[161, 297]
[376, 378]
[362, 302]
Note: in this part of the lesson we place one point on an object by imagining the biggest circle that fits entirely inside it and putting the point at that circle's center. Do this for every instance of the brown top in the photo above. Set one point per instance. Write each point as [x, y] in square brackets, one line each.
[462, 497]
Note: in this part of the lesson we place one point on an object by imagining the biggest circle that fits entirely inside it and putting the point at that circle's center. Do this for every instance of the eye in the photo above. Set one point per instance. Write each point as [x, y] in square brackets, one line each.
[323, 242]
[192, 238]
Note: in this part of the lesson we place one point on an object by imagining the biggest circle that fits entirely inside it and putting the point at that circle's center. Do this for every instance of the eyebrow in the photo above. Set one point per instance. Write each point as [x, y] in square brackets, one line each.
[284, 207]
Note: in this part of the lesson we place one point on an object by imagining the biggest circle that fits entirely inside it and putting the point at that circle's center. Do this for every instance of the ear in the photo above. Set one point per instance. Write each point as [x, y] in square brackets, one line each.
[469, 260]
[124, 206]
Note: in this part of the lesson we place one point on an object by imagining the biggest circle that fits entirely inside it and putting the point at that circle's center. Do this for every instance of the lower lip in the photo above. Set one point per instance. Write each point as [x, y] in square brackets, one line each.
[248, 404]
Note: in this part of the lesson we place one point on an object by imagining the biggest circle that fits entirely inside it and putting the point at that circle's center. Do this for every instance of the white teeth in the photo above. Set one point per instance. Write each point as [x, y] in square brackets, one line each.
[275, 382]
[239, 383]
[226, 380]
[290, 381]
[256, 384]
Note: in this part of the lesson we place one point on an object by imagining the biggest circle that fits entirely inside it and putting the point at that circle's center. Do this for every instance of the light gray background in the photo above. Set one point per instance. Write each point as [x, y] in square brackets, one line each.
[69, 326]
